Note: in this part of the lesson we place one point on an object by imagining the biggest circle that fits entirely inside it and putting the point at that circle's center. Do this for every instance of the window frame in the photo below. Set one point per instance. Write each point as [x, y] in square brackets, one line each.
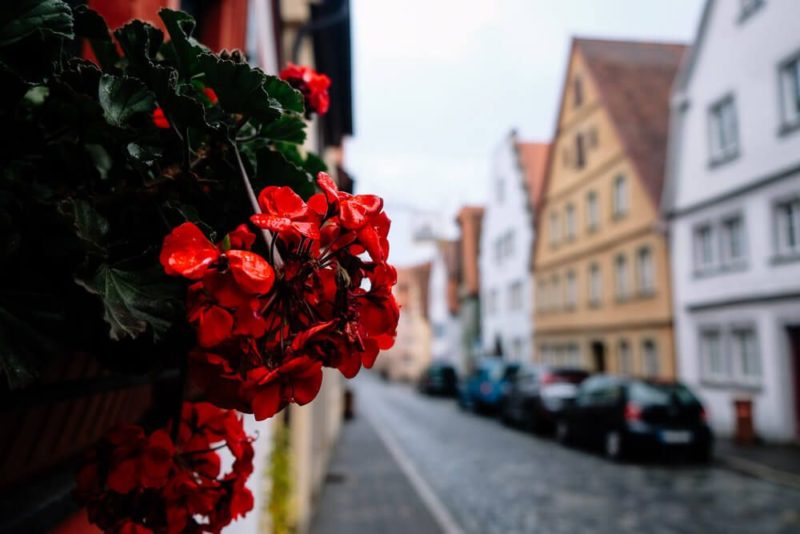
[707, 374]
[592, 211]
[621, 290]
[595, 282]
[648, 370]
[645, 290]
[726, 261]
[780, 251]
[736, 363]
[719, 154]
[620, 202]
[787, 124]
[704, 267]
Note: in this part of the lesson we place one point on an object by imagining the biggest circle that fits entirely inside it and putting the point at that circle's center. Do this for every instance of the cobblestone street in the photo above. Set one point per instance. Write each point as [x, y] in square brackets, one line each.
[494, 479]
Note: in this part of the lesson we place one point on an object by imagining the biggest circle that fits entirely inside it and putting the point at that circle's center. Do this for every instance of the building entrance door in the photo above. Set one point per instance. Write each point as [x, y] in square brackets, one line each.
[794, 351]
[599, 356]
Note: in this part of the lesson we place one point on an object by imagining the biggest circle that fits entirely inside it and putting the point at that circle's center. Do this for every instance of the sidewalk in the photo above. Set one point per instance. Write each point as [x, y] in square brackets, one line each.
[366, 492]
[775, 463]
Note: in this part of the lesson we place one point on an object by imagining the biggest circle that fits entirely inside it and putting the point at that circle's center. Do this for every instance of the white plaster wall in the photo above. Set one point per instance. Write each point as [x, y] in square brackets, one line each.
[500, 216]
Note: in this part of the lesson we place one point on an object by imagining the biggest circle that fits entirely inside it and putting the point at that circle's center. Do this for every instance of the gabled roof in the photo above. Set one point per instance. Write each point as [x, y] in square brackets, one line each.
[533, 161]
[634, 81]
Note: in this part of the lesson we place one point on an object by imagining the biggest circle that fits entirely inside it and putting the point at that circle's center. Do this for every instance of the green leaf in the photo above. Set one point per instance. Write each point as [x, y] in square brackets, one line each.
[92, 27]
[272, 168]
[140, 42]
[134, 301]
[20, 18]
[23, 347]
[288, 127]
[239, 87]
[287, 96]
[90, 226]
[310, 162]
[123, 98]
[186, 49]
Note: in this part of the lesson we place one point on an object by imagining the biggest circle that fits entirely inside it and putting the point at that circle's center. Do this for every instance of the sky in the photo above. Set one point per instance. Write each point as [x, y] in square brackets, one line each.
[439, 83]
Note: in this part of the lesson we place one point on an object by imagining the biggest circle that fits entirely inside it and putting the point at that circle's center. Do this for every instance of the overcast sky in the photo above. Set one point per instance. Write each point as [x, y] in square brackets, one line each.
[438, 83]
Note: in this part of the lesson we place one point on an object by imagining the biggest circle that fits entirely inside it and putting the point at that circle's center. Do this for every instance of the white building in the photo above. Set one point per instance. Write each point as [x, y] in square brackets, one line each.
[733, 202]
[443, 306]
[506, 246]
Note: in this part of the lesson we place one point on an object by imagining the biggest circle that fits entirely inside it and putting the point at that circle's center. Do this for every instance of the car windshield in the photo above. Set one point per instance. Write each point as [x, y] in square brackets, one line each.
[661, 394]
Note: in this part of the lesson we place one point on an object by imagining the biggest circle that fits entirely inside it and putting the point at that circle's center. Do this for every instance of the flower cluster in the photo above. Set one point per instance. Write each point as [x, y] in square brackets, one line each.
[134, 482]
[321, 295]
[312, 84]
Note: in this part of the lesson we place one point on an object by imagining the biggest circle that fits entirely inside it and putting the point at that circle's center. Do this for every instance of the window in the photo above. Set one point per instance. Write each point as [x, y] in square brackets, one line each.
[573, 356]
[787, 227]
[703, 247]
[723, 131]
[621, 277]
[501, 186]
[649, 358]
[744, 351]
[713, 360]
[748, 7]
[571, 290]
[554, 229]
[515, 295]
[595, 285]
[644, 271]
[620, 197]
[493, 298]
[592, 215]
[732, 241]
[790, 93]
[569, 221]
[625, 365]
[580, 151]
[541, 296]
[555, 288]
[509, 244]
[577, 91]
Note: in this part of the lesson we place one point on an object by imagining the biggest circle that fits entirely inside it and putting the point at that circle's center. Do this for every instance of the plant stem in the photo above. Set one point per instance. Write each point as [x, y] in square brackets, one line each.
[268, 238]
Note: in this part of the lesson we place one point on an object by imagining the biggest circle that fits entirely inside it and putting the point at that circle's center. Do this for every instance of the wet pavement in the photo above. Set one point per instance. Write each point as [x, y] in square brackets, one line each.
[486, 478]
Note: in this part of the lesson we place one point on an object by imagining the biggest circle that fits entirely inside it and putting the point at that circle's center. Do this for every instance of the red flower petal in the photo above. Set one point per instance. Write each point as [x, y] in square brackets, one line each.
[242, 238]
[160, 119]
[328, 186]
[122, 478]
[211, 95]
[187, 252]
[267, 401]
[274, 223]
[251, 271]
[281, 201]
[215, 326]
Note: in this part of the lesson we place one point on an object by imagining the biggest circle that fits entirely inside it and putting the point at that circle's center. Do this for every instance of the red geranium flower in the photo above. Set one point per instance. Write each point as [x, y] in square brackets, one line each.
[297, 380]
[210, 95]
[312, 84]
[160, 119]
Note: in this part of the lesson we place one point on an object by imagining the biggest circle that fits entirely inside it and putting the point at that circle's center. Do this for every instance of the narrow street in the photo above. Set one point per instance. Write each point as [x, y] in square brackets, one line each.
[474, 475]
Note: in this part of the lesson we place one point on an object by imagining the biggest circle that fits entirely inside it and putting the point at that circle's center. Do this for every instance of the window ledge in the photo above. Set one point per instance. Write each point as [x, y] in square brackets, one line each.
[619, 215]
[727, 383]
[646, 293]
[788, 128]
[723, 159]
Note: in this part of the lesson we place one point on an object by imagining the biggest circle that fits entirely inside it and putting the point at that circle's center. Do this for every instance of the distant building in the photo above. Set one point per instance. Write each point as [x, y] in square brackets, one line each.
[506, 248]
[411, 352]
[468, 283]
[443, 305]
[734, 211]
[603, 296]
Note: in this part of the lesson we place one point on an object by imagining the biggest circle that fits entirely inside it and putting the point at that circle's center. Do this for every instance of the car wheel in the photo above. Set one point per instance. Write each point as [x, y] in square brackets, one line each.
[563, 434]
[613, 445]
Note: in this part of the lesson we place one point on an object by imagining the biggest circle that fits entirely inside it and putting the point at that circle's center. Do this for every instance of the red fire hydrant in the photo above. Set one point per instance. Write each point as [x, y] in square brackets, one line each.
[745, 433]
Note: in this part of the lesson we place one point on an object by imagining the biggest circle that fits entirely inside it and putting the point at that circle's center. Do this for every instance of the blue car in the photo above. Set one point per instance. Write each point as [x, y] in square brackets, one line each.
[484, 390]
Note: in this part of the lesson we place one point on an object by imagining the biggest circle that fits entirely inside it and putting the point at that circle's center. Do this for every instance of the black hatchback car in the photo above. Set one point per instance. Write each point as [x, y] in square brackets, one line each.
[626, 416]
[536, 396]
[440, 378]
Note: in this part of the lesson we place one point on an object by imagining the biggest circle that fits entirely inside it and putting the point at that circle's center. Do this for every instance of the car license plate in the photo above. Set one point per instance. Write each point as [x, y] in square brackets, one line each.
[676, 437]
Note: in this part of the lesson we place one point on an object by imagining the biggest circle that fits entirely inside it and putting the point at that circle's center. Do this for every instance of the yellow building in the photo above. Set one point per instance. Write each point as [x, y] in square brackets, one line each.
[602, 286]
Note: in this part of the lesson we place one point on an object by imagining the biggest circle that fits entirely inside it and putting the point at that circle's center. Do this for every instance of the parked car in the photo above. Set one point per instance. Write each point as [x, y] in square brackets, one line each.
[625, 416]
[483, 390]
[440, 378]
[537, 395]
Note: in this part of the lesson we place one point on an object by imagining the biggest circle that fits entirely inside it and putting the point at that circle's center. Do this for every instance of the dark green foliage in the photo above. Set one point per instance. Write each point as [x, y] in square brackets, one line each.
[89, 186]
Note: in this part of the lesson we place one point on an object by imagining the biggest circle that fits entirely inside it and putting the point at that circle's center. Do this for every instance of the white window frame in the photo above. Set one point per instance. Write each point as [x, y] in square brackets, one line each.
[624, 358]
[592, 211]
[555, 231]
[651, 365]
[789, 84]
[701, 263]
[645, 271]
[708, 373]
[619, 196]
[736, 333]
[569, 222]
[621, 275]
[783, 226]
[726, 253]
[571, 290]
[595, 285]
[723, 130]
